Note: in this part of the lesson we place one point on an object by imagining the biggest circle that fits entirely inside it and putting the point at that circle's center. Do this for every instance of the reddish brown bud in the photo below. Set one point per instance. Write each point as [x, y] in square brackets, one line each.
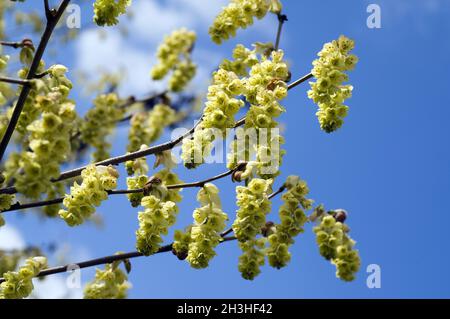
[182, 255]
[340, 215]
[236, 176]
[268, 229]
[27, 43]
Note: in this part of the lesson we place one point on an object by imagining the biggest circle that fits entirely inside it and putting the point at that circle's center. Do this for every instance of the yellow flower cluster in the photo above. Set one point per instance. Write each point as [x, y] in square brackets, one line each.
[49, 137]
[181, 241]
[106, 12]
[265, 87]
[336, 245]
[109, 283]
[254, 204]
[159, 203]
[292, 219]
[209, 221]
[183, 73]
[9, 260]
[146, 128]
[195, 149]
[155, 220]
[175, 54]
[239, 14]
[243, 60]
[328, 91]
[83, 198]
[18, 285]
[252, 258]
[99, 122]
[139, 169]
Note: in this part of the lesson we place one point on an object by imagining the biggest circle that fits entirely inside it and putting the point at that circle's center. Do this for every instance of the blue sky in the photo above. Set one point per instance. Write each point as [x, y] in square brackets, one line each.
[388, 165]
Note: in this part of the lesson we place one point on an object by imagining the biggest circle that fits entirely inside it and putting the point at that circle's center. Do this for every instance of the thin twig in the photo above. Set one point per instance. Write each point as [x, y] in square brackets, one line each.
[15, 81]
[52, 20]
[14, 45]
[300, 81]
[282, 18]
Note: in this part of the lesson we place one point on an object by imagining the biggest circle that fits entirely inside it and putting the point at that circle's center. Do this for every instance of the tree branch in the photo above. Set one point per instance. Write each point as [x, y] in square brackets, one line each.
[52, 20]
[107, 260]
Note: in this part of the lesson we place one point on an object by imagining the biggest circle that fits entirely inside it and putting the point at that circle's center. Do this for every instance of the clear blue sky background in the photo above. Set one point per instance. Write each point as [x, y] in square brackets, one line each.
[388, 166]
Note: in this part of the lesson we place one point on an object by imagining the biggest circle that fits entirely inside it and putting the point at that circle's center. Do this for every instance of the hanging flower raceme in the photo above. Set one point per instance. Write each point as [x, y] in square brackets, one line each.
[146, 128]
[106, 12]
[252, 258]
[209, 222]
[254, 204]
[48, 139]
[263, 89]
[174, 54]
[222, 104]
[109, 283]
[219, 114]
[99, 122]
[196, 148]
[181, 241]
[18, 285]
[240, 14]
[328, 91]
[243, 60]
[183, 73]
[84, 197]
[159, 213]
[335, 244]
[292, 220]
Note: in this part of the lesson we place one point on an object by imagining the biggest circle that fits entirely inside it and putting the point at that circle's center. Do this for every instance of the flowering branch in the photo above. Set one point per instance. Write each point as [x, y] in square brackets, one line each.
[145, 152]
[18, 206]
[134, 254]
[52, 20]
[106, 260]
